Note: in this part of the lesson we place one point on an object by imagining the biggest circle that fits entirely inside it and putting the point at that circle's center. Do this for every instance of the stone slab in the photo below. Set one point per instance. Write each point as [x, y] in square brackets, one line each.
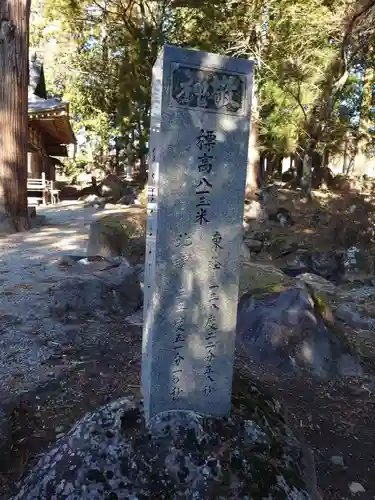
[200, 121]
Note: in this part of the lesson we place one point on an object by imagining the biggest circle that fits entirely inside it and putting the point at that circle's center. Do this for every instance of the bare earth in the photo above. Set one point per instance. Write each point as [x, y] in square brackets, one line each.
[336, 418]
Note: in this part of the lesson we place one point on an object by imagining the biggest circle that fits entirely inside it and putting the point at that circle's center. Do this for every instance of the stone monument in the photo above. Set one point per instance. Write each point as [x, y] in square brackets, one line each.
[200, 124]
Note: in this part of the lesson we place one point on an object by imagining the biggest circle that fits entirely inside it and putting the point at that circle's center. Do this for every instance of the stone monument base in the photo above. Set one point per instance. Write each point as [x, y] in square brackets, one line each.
[110, 454]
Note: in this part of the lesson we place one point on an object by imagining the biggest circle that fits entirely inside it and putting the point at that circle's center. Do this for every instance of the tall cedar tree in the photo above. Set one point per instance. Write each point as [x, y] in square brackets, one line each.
[14, 75]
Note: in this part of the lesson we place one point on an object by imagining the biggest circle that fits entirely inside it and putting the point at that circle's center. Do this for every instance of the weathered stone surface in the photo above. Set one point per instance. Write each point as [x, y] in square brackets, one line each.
[269, 193]
[200, 117]
[254, 245]
[110, 454]
[285, 331]
[93, 200]
[262, 278]
[128, 199]
[119, 235]
[96, 287]
[357, 308]
[88, 191]
[318, 284]
[254, 211]
[328, 264]
[112, 187]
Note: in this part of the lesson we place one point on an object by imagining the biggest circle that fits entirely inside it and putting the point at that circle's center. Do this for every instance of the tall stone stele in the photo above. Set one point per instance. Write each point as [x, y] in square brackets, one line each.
[200, 119]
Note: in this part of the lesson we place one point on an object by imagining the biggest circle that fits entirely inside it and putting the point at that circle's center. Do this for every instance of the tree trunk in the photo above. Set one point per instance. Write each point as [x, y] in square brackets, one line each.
[334, 80]
[14, 77]
[253, 162]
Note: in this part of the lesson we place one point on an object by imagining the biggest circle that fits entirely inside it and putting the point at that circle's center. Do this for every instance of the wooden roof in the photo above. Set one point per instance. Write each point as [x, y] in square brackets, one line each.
[48, 116]
[51, 118]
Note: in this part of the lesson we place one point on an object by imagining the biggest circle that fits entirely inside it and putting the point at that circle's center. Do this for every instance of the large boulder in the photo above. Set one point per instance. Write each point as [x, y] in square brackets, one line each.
[261, 278]
[96, 287]
[110, 454]
[319, 285]
[328, 264]
[357, 308]
[67, 191]
[285, 329]
[88, 191]
[113, 188]
[121, 234]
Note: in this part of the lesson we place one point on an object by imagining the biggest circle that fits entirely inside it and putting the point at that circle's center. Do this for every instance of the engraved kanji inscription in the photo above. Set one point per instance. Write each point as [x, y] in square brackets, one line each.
[208, 89]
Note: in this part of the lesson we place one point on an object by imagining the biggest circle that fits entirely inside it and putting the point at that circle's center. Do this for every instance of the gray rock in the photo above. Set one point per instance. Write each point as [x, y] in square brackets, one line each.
[111, 454]
[254, 211]
[106, 285]
[105, 240]
[119, 235]
[318, 283]
[112, 187]
[357, 308]
[350, 314]
[337, 460]
[327, 264]
[269, 193]
[283, 331]
[356, 488]
[254, 245]
[128, 199]
[93, 200]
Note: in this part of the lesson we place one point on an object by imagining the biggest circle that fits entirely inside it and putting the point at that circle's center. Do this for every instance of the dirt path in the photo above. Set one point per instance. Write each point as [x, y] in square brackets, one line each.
[37, 351]
[335, 418]
[65, 232]
[43, 415]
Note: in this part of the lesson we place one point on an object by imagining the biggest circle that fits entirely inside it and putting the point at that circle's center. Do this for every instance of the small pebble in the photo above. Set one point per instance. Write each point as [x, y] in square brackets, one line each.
[356, 488]
[59, 428]
[337, 460]
[59, 436]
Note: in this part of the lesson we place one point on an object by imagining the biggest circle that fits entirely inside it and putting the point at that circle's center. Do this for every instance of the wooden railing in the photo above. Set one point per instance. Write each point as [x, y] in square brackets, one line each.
[45, 189]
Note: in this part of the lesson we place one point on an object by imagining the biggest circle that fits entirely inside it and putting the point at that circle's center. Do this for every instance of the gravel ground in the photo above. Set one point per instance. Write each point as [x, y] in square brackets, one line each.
[34, 346]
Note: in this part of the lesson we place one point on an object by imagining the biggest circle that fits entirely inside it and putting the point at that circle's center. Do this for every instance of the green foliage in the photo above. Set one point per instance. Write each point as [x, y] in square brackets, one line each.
[71, 168]
[311, 57]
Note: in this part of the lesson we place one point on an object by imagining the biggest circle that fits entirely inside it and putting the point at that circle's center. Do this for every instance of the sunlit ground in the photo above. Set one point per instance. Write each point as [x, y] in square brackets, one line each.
[65, 232]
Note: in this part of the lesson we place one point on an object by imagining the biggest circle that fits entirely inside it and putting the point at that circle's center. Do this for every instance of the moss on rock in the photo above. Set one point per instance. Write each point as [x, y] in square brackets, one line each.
[262, 279]
[121, 234]
[253, 454]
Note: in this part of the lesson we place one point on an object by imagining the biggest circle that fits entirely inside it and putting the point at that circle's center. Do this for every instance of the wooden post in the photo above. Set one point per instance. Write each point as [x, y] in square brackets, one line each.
[14, 75]
[44, 186]
[36, 165]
